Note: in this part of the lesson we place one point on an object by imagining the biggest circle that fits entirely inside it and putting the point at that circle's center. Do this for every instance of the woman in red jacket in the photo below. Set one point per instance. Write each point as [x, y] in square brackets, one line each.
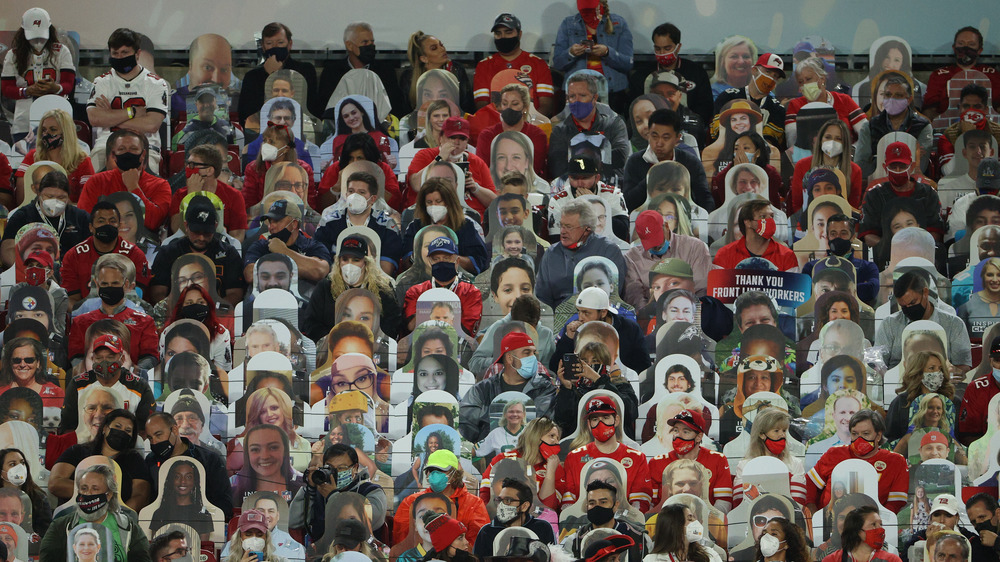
[832, 148]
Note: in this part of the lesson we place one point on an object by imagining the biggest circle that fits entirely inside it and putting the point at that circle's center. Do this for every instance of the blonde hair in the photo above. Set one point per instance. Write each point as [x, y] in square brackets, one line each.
[531, 438]
[844, 163]
[925, 401]
[72, 155]
[763, 422]
[912, 379]
[255, 407]
[432, 107]
[722, 51]
[688, 464]
[373, 279]
[415, 50]
[584, 437]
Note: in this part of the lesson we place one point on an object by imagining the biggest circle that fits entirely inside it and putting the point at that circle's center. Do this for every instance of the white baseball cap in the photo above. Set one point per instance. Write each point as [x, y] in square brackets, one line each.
[595, 298]
[945, 502]
[35, 23]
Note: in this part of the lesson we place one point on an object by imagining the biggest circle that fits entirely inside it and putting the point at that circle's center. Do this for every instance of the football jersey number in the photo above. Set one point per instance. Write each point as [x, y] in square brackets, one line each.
[49, 73]
[117, 103]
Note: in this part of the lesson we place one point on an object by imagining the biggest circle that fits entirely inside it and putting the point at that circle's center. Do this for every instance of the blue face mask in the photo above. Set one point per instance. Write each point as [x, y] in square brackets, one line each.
[662, 249]
[996, 375]
[528, 368]
[438, 481]
[344, 477]
[581, 109]
[800, 153]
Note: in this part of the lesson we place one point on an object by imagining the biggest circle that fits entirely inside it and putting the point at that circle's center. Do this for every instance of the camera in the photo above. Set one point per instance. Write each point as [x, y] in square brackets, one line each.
[322, 475]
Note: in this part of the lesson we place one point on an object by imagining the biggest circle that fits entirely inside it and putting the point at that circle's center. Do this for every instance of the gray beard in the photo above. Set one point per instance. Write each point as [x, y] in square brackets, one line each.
[98, 515]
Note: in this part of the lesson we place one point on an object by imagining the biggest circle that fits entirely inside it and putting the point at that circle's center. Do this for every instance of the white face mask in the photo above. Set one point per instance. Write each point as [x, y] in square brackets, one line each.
[934, 380]
[437, 212]
[356, 203]
[351, 273]
[769, 545]
[694, 531]
[268, 152]
[506, 513]
[832, 148]
[17, 475]
[53, 207]
[253, 544]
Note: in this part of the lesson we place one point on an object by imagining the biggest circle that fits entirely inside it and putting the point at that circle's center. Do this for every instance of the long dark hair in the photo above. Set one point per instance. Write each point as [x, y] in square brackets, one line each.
[365, 119]
[359, 141]
[671, 535]
[795, 542]
[29, 487]
[246, 479]
[168, 492]
[22, 49]
[97, 443]
[855, 520]
[41, 360]
[763, 150]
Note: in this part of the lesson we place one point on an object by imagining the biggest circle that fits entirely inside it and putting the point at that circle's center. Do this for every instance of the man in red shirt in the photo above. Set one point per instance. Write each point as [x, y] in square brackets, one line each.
[127, 152]
[688, 429]
[203, 166]
[756, 222]
[78, 263]
[479, 189]
[867, 430]
[507, 39]
[967, 47]
[976, 400]
[603, 423]
[443, 255]
[112, 286]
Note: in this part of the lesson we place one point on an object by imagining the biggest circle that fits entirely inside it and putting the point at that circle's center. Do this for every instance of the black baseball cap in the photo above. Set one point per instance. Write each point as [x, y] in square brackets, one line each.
[349, 533]
[354, 246]
[281, 209]
[583, 165]
[200, 215]
[509, 21]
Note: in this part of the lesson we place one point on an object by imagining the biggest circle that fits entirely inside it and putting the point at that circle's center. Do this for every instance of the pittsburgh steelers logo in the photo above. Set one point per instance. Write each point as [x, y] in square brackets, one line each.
[879, 466]
[29, 303]
[627, 462]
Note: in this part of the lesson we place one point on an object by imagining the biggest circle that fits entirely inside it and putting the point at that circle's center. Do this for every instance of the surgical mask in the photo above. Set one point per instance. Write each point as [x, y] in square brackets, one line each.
[811, 91]
[662, 249]
[832, 148]
[602, 431]
[163, 449]
[898, 179]
[279, 53]
[529, 367]
[694, 531]
[507, 513]
[840, 246]
[17, 475]
[197, 312]
[268, 152]
[123, 65]
[598, 515]
[443, 271]
[52, 141]
[351, 273]
[862, 446]
[356, 203]
[798, 153]
[966, 56]
[581, 109]
[769, 545]
[506, 45]
[933, 381]
[996, 375]
[683, 446]
[344, 478]
[53, 208]
[106, 233]
[253, 544]
[111, 295]
[91, 503]
[511, 116]
[128, 161]
[666, 59]
[366, 53]
[750, 156]
[763, 82]
[914, 311]
[895, 106]
[438, 481]
[875, 538]
[118, 439]
[437, 212]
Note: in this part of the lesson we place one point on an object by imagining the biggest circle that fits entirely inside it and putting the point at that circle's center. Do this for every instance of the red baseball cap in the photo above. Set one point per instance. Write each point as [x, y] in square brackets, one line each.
[933, 437]
[649, 227]
[43, 258]
[898, 152]
[110, 341]
[691, 418]
[512, 341]
[601, 405]
[455, 127]
[771, 61]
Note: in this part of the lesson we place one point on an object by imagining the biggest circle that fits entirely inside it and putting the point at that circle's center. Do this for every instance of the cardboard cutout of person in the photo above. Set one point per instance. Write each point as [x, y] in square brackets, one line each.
[182, 499]
[88, 542]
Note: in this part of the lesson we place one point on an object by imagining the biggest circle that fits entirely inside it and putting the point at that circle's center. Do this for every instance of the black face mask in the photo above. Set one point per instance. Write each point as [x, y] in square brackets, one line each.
[600, 515]
[280, 53]
[506, 45]
[106, 233]
[52, 141]
[197, 312]
[163, 449]
[914, 311]
[284, 234]
[124, 65]
[966, 56]
[128, 161]
[91, 503]
[511, 116]
[443, 271]
[111, 295]
[118, 439]
[840, 246]
[985, 526]
[366, 53]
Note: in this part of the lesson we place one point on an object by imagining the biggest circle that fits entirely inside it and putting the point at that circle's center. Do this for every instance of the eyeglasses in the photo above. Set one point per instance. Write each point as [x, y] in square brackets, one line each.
[669, 217]
[19, 360]
[562, 226]
[364, 381]
[284, 185]
[197, 279]
[180, 553]
[507, 501]
[197, 165]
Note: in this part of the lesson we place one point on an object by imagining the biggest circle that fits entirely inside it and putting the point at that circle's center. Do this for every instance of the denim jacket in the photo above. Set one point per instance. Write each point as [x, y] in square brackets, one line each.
[616, 65]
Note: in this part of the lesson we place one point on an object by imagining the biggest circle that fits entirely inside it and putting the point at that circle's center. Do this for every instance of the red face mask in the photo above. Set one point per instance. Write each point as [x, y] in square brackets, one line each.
[188, 172]
[547, 450]
[898, 179]
[602, 431]
[683, 446]
[862, 447]
[766, 227]
[976, 117]
[666, 60]
[589, 11]
[875, 538]
[776, 446]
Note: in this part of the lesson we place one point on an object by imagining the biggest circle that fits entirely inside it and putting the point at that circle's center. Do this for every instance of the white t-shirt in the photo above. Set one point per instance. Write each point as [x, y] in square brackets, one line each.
[145, 90]
[39, 66]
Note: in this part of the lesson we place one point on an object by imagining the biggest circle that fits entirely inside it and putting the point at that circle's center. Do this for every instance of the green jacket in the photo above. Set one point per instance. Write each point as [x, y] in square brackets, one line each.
[53, 547]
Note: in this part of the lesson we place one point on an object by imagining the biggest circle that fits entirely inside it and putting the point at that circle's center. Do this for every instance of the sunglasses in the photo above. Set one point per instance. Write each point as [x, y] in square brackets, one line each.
[26, 360]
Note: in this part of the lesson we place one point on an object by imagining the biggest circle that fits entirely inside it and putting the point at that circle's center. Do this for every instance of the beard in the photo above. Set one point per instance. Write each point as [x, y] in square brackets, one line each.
[96, 516]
